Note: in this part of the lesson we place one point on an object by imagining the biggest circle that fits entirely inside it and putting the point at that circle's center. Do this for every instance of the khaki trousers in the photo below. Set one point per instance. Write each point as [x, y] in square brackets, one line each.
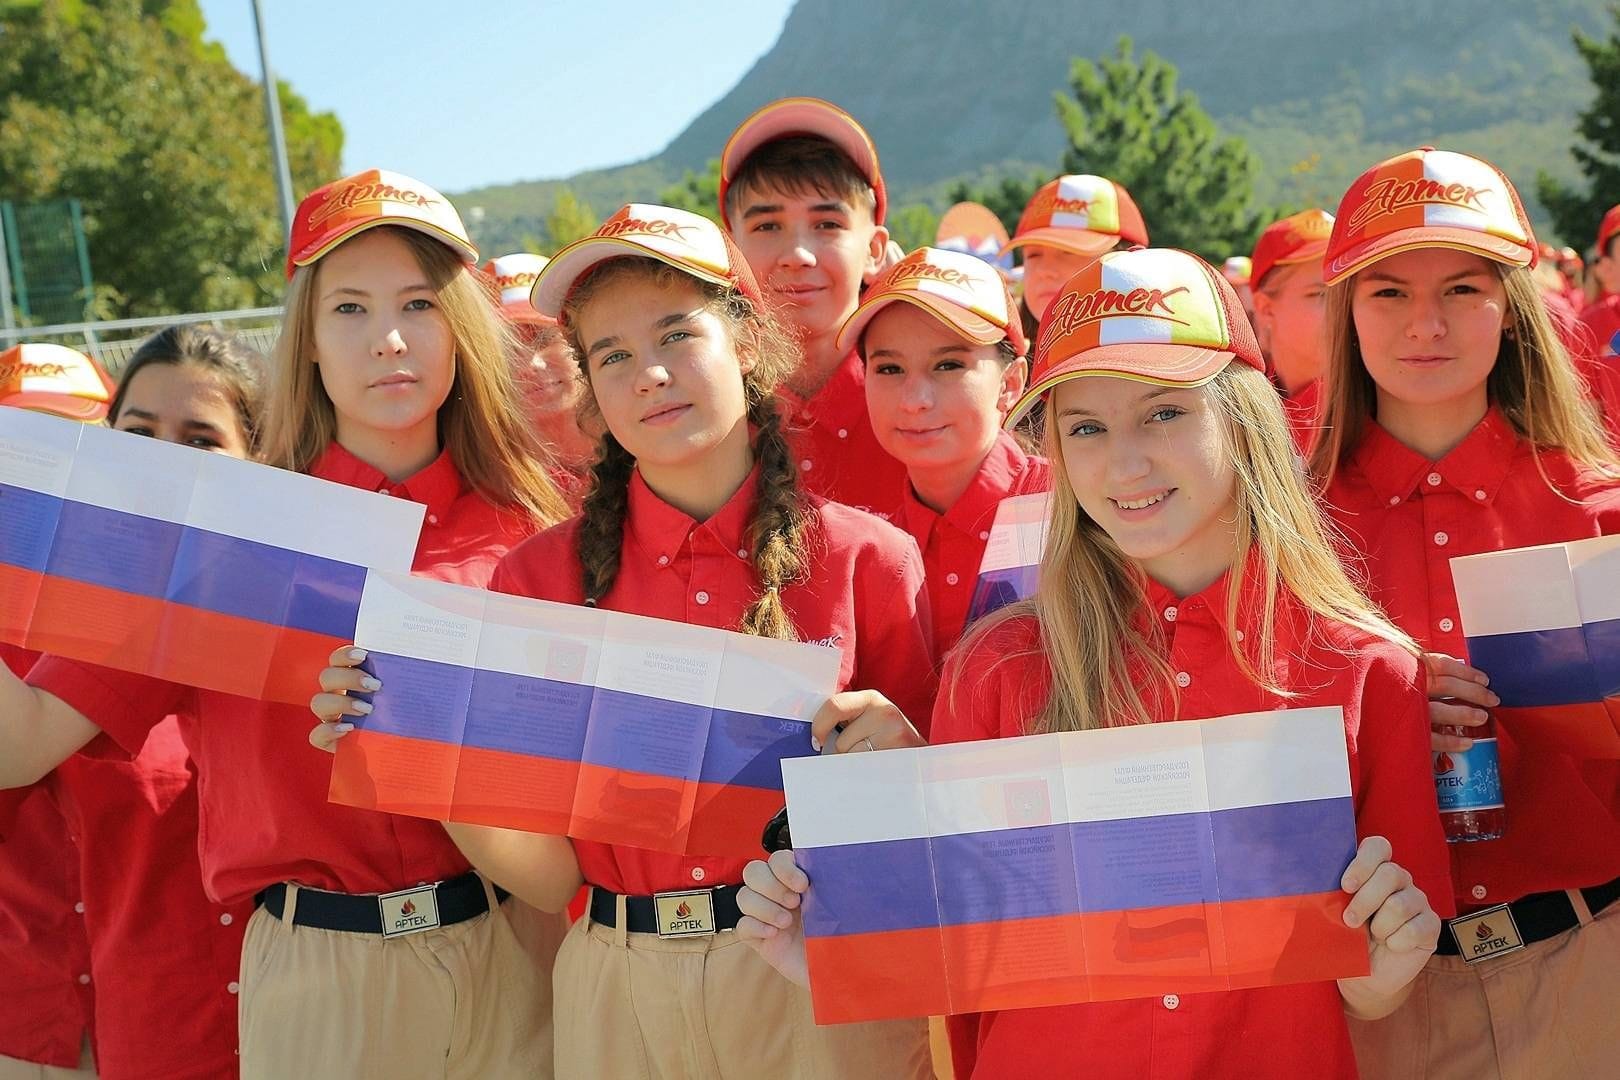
[462, 1002]
[640, 1006]
[15, 1069]
[1548, 1011]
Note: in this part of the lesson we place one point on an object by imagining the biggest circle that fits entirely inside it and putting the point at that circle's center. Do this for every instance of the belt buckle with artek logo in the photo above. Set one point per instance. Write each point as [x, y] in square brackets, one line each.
[409, 911]
[1487, 934]
[684, 914]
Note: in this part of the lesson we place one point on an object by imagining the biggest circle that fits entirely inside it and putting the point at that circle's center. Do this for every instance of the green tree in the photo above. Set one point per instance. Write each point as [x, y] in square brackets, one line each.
[1576, 213]
[121, 104]
[698, 193]
[569, 220]
[1006, 199]
[913, 226]
[1127, 120]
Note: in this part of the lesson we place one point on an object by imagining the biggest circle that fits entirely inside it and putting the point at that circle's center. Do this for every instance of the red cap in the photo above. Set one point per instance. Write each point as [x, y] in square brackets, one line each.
[1084, 214]
[55, 379]
[514, 276]
[960, 290]
[1157, 315]
[330, 215]
[1428, 198]
[803, 116]
[688, 242]
[1298, 238]
[1608, 229]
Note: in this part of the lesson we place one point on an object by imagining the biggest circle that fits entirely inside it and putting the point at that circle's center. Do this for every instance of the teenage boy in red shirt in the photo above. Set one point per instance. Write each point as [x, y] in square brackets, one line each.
[803, 198]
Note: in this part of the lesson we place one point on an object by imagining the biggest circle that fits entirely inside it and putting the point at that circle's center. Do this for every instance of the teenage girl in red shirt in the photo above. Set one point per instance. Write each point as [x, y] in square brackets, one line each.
[1454, 424]
[1187, 575]
[390, 374]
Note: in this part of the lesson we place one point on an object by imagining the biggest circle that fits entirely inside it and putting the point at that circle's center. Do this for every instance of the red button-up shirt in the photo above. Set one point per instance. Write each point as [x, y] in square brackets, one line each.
[839, 456]
[1602, 322]
[953, 543]
[1284, 1031]
[863, 596]
[263, 812]
[44, 950]
[1406, 517]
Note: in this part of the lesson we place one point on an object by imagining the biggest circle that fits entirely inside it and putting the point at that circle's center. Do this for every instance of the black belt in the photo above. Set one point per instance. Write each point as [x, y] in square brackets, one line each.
[640, 912]
[1540, 916]
[459, 899]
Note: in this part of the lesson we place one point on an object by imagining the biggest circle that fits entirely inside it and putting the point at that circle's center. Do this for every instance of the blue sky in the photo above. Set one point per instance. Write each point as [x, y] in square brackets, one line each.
[499, 92]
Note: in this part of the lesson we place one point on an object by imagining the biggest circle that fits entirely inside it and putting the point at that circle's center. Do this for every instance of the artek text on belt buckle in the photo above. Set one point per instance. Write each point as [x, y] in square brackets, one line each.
[684, 914]
[409, 911]
[1487, 934]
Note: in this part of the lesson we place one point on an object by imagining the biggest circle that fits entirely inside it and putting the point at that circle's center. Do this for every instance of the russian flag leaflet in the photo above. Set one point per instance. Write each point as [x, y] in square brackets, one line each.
[1544, 623]
[1081, 866]
[554, 718]
[1012, 555]
[147, 556]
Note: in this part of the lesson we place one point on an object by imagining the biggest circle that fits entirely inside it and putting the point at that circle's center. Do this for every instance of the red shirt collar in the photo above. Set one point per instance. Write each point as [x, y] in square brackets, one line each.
[661, 530]
[1243, 575]
[999, 475]
[1481, 462]
[840, 403]
[436, 487]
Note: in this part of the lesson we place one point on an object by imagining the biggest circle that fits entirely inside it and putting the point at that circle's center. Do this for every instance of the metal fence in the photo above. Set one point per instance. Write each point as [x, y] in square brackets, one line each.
[44, 262]
[112, 342]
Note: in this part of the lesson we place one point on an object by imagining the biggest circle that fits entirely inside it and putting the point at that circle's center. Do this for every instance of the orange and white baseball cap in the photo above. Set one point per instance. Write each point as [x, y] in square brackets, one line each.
[962, 291]
[332, 214]
[514, 276]
[1156, 315]
[1087, 215]
[1428, 198]
[1608, 229]
[1298, 238]
[55, 379]
[792, 116]
[688, 242]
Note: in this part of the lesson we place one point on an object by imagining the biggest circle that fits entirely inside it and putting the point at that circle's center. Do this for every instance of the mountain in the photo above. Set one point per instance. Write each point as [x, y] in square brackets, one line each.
[1319, 90]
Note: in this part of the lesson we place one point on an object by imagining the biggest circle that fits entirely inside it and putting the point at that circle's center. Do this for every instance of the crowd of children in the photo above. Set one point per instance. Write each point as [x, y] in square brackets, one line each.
[772, 422]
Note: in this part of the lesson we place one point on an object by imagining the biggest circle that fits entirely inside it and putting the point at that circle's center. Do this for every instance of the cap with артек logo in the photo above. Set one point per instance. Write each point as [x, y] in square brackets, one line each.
[1156, 315]
[1428, 198]
[345, 208]
[960, 290]
[681, 239]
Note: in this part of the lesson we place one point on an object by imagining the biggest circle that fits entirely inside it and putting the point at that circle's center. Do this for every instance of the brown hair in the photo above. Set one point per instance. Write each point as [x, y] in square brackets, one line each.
[800, 165]
[779, 534]
[225, 356]
[1091, 601]
[1534, 383]
[481, 422]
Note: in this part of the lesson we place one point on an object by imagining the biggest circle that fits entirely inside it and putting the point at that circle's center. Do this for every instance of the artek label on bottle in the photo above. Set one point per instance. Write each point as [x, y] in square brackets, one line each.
[1470, 779]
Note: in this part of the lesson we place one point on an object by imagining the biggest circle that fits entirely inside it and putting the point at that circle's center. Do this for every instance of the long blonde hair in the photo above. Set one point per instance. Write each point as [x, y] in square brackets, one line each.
[1107, 653]
[481, 422]
[779, 533]
[1534, 383]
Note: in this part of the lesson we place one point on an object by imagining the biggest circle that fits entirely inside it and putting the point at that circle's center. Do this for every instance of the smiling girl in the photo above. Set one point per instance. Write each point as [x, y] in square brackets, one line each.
[696, 516]
[389, 375]
[944, 355]
[1457, 424]
[1187, 575]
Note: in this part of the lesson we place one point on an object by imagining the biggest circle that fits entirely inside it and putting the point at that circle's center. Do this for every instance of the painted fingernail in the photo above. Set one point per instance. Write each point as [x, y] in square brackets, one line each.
[363, 708]
[343, 729]
[815, 744]
[369, 683]
[357, 654]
